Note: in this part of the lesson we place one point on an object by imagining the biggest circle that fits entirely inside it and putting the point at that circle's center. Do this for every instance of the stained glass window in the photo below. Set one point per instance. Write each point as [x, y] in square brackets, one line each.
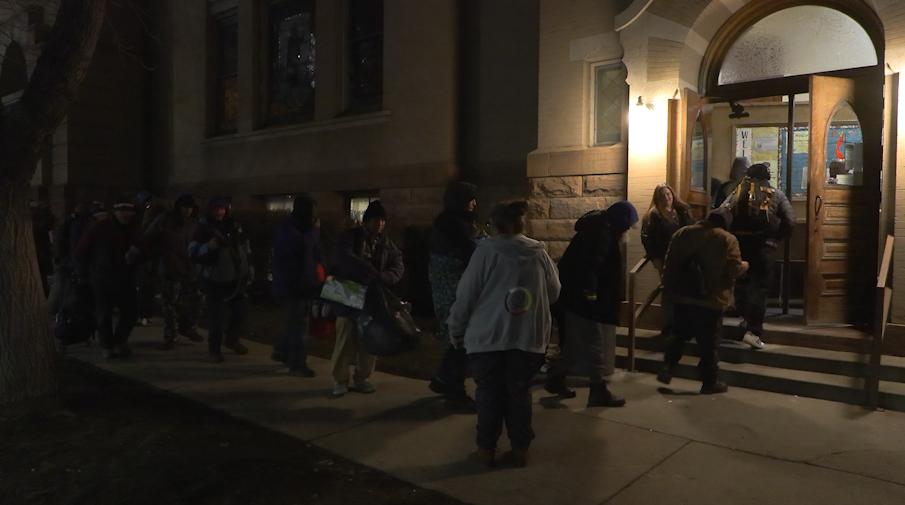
[227, 72]
[364, 45]
[292, 61]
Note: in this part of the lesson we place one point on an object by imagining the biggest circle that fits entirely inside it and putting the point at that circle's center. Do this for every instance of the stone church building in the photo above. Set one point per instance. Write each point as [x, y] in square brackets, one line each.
[572, 104]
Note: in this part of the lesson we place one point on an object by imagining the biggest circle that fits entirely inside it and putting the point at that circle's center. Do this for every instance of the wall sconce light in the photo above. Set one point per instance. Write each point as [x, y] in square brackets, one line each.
[641, 103]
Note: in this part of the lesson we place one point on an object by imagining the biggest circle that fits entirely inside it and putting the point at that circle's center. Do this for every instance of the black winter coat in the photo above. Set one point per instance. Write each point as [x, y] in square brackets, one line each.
[592, 265]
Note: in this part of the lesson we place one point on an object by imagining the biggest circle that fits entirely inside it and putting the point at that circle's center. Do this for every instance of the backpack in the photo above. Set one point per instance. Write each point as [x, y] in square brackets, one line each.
[752, 208]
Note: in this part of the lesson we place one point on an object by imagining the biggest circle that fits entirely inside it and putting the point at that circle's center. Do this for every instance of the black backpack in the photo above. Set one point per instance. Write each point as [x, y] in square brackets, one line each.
[752, 208]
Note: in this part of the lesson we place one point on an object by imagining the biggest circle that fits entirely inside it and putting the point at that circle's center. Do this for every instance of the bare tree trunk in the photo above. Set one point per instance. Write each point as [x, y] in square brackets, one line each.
[26, 348]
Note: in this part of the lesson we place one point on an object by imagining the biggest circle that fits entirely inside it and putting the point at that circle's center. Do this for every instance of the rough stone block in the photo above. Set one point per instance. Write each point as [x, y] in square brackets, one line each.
[552, 229]
[430, 196]
[556, 187]
[396, 195]
[556, 249]
[605, 185]
[573, 208]
[538, 208]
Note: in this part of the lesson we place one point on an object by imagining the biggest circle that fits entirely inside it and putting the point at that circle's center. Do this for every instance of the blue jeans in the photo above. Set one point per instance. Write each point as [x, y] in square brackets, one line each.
[292, 341]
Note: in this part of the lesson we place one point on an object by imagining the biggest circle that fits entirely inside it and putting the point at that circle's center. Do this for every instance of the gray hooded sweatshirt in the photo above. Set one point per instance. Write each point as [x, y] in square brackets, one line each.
[503, 299]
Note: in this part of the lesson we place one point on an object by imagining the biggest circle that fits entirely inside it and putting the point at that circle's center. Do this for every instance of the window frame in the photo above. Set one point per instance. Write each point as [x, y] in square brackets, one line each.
[623, 135]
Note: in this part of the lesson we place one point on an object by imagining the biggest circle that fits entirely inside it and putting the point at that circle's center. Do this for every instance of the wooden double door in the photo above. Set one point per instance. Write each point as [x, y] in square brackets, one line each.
[843, 187]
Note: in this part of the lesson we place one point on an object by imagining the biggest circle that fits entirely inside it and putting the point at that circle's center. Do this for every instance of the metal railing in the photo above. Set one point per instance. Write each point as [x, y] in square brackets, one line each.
[881, 320]
[637, 310]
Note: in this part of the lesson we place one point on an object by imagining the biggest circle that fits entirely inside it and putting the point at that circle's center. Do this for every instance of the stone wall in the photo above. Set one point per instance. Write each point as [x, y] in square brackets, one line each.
[556, 202]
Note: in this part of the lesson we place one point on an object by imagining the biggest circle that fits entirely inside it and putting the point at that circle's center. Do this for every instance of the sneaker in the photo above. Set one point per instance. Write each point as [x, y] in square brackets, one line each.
[665, 375]
[123, 351]
[715, 388]
[517, 458]
[215, 358]
[302, 371]
[753, 340]
[144, 321]
[483, 456]
[363, 387]
[193, 335]
[237, 348]
[339, 390]
[544, 368]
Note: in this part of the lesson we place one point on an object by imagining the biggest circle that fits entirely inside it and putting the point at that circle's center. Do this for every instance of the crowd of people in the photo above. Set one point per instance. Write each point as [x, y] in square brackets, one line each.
[496, 295]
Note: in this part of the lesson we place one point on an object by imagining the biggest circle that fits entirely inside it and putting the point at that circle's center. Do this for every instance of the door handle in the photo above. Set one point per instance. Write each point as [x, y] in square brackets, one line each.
[818, 204]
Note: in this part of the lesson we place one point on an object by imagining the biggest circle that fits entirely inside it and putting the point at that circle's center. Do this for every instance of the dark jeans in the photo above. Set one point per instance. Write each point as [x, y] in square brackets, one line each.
[452, 372]
[181, 303]
[751, 291]
[106, 300]
[292, 341]
[504, 395]
[703, 325]
[218, 310]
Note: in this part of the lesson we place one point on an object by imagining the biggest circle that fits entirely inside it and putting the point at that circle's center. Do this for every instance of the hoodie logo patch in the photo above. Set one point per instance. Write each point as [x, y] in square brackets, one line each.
[519, 301]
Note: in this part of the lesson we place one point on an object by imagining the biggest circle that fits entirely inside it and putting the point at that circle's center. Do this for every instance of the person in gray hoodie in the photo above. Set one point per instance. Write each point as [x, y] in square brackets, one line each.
[501, 316]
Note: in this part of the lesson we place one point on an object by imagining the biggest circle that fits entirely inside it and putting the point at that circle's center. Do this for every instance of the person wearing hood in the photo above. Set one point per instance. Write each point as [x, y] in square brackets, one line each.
[501, 317]
[702, 264]
[296, 254]
[170, 234]
[736, 174]
[367, 256]
[452, 241]
[107, 256]
[222, 250]
[591, 271]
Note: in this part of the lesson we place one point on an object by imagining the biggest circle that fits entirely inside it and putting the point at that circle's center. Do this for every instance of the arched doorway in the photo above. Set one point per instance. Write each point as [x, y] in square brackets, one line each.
[822, 61]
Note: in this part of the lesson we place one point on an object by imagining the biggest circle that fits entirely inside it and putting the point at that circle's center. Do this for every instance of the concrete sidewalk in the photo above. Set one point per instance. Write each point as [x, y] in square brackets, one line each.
[745, 447]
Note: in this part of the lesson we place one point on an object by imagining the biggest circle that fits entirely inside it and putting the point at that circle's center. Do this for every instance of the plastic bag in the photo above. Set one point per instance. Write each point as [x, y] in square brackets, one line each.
[344, 292]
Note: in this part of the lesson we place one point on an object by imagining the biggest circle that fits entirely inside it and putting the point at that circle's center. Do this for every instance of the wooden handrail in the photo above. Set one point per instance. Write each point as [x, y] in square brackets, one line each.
[881, 319]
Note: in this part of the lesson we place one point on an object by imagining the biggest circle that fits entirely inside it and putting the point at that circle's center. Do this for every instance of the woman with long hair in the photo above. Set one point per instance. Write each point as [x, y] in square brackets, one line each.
[667, 213]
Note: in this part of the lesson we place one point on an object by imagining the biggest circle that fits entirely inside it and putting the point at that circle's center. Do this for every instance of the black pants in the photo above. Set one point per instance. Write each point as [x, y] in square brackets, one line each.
[223, 313]
[452, 372]
[703, 325]
[107, 299]
[504, 395]
[751, 291]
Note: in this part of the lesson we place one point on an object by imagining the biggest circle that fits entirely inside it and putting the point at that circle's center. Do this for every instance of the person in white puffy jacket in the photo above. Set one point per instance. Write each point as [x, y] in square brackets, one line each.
[502, 318]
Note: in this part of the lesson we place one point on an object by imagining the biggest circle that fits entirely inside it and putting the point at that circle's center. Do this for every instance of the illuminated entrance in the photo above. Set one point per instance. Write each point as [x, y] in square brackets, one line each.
[798, 85]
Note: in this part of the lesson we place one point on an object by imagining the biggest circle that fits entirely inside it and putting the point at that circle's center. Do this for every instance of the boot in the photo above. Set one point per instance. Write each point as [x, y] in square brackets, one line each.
[665, 374]
[714, 388]
[600, 396]
[556, 385]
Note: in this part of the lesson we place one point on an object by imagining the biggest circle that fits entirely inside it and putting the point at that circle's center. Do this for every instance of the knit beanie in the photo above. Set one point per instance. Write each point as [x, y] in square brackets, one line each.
[622, 215]
[217, 202]
[375, 210]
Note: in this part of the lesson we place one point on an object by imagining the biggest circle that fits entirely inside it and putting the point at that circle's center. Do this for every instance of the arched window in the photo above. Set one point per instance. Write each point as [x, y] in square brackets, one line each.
[800, 40]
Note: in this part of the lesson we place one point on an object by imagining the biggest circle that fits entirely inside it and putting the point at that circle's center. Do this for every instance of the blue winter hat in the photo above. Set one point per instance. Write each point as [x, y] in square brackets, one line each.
[623, 215]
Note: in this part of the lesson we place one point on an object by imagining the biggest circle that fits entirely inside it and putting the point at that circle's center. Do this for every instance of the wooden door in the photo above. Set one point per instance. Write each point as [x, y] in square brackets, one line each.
[843, 197]
[689, 155]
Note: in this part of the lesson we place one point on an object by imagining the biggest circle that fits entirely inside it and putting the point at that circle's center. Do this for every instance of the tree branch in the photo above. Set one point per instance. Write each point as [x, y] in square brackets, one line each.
[60, 69]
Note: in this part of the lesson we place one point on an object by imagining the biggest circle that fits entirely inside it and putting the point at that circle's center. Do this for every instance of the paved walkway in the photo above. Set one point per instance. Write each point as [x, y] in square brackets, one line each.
[745, 447]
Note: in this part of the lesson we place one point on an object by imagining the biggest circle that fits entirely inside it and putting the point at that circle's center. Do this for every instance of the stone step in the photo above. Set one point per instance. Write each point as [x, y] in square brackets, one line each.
[824, 386]
[808, 359]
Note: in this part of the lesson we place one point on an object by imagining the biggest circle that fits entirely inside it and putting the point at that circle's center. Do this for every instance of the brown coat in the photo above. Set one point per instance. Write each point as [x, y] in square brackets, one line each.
[718, 255]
